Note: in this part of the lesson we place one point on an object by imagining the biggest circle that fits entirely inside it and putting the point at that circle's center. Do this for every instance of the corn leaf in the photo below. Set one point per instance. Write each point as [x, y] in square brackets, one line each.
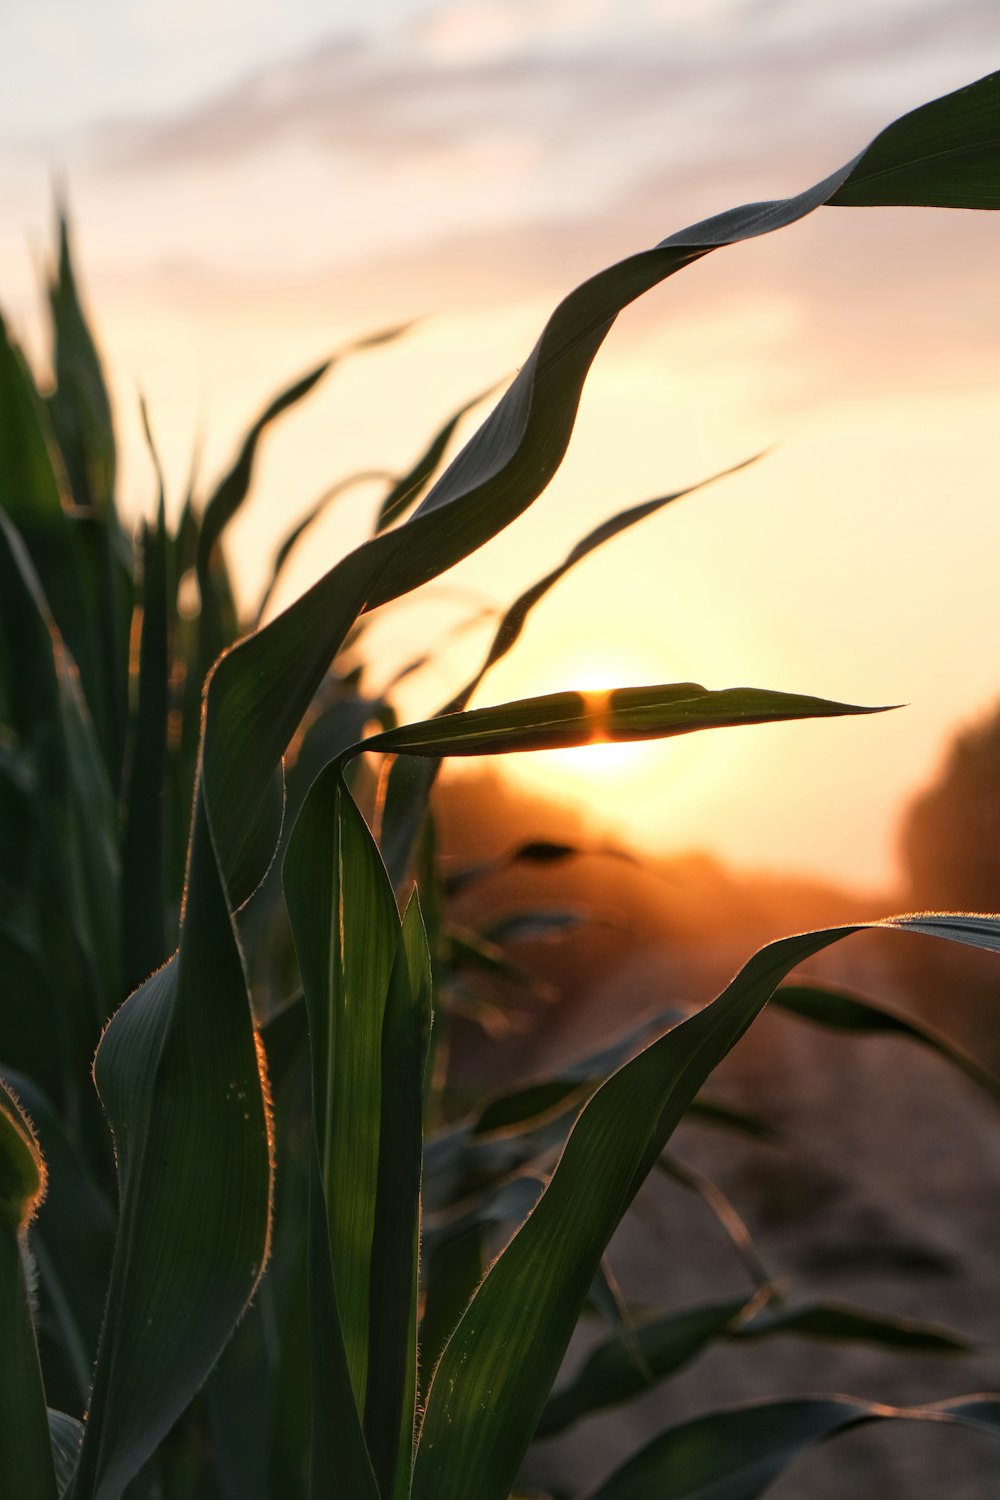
[143, 859]
[338, 1456]
[838, 1322]
[561, 720]
[80, 405]
[735, 1454]
[407, 490]
[26, 1466]
[312, 515]
[614, 1372]
[177, 1067]
[493, 1378]
[230, 493]
[858, 1015]
[390, 1401]
[346, 930]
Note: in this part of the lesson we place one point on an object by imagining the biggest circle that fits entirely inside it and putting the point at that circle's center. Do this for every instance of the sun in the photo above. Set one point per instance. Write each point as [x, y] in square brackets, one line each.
[638, 792]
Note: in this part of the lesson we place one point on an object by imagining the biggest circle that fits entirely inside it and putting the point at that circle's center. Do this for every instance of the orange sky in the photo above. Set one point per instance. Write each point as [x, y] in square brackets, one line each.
[471, 163]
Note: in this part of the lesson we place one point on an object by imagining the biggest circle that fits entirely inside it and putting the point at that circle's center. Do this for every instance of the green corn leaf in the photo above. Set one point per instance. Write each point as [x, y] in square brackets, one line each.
[75, 819]
[346, 930]
[725, 1212]
[408, 787]
[230, 493]
[509, 630]
[562, 720]
[614, 1372]
[80, 411]
[33, 501]
[407, 490]
[338, 1456]
[735, 1454]
[71, 1241]
[312, 515]
[80, 404]
[259, 692]
[857, 1015]
[143, 858]
[494, 1376]
[26, 1466]
[180, 1077]
[390, 1401]
[839, 1322]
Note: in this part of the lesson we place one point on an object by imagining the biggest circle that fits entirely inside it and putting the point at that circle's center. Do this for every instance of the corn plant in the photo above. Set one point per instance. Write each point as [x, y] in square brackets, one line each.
[357, 1366]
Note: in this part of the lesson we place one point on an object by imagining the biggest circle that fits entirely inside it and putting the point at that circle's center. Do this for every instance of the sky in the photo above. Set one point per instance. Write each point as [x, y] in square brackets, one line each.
[252, 185]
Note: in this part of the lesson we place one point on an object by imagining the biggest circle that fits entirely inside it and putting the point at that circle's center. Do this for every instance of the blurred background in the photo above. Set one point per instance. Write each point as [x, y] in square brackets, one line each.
[251, 187]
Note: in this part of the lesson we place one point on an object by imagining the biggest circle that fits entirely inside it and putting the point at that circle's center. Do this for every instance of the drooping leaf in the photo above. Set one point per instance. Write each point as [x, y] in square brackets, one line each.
[513, 622]
[735, 1454]
[312, 515]
[230, 493]
[410, 486]
[725, 1212]
[839, 1322]
[495, 1373]
[860, 1016]
[613, 1372]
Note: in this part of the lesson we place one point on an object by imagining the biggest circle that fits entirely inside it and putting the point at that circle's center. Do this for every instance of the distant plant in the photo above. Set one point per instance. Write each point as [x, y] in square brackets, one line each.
[144, 850]
[951, 833]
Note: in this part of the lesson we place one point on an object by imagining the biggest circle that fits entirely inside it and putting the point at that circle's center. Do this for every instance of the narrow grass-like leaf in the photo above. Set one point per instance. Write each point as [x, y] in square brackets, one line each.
[407, 490]
[80, 404]
[390, 1402]
[735, 1454]
[494, 1376]
[143, 869]
[80, 410]
[33, 500]
[513, 622]
[232, 490]
[858, 1015]
[839, 1322]
[563, 720]
[338, 1457]
[716, 1201]
[25, 1451]
[312, 515]
[75, 820]
[614, 1373]
[346, 931]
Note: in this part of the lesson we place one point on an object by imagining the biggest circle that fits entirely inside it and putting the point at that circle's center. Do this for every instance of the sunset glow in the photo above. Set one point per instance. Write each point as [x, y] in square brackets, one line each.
[469, 165]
